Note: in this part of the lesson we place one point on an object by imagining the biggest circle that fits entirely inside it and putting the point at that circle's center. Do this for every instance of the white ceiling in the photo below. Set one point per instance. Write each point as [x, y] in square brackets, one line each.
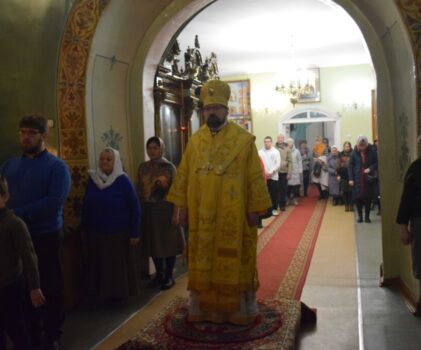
[256, 36]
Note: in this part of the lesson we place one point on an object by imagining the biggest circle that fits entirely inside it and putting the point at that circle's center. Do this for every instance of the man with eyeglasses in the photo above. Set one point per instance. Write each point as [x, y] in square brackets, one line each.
[39, 184]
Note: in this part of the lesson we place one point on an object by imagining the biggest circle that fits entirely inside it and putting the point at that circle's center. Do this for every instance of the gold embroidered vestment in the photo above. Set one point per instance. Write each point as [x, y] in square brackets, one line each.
[219, 180]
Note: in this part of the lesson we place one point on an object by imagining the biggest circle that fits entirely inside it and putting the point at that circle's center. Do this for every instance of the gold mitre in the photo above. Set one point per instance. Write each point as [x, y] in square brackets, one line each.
[215, 92]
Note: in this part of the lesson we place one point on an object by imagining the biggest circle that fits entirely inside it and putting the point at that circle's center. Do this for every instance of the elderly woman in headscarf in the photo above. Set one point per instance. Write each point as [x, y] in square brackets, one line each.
[362, 174]
[162, 240]
[332, 169]
[111, 221]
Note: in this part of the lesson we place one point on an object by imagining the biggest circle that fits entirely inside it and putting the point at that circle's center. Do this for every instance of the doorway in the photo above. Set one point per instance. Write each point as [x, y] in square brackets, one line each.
[308, 123]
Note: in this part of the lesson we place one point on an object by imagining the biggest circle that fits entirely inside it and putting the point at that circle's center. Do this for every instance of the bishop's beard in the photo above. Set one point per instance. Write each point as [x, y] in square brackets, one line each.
[213, 122]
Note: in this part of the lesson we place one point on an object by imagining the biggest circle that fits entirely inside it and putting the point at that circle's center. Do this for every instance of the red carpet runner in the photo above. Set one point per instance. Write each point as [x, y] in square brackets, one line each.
[285, 249]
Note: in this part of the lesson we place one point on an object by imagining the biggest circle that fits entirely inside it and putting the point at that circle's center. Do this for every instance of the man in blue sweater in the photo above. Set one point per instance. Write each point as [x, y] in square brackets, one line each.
[39, 184]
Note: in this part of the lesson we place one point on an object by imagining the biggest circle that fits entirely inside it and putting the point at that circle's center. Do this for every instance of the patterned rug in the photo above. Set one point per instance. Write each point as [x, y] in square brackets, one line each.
[285, 249]
[275, 328]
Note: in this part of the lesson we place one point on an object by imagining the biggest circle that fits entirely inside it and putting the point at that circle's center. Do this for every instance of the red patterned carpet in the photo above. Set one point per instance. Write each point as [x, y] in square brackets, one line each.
[285, 249]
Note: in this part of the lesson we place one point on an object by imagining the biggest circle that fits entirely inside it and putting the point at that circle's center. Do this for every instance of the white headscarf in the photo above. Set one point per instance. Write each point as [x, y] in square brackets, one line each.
[103, 180]
[362, 138]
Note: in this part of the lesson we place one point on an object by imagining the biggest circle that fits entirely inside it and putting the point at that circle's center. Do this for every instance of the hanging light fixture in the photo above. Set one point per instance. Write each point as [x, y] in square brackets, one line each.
[301, 82]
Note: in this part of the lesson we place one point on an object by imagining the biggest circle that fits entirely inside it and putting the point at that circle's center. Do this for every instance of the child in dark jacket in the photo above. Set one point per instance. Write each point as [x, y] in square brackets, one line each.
[17, 259]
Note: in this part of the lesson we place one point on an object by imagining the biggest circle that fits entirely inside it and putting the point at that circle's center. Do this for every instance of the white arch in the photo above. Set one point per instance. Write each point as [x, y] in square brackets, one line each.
[330, 117]
[287, 117]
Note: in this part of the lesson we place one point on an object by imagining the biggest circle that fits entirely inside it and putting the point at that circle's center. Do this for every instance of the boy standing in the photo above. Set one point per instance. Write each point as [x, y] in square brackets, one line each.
[17, 258]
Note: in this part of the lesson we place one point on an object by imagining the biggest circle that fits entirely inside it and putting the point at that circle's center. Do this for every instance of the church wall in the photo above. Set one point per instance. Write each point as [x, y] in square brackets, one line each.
[387, 38]
[117, 37]
[341, 87]
[31, 34]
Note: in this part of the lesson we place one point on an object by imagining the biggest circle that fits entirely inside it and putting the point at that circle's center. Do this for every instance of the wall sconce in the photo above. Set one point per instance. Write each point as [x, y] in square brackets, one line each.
[354, 105]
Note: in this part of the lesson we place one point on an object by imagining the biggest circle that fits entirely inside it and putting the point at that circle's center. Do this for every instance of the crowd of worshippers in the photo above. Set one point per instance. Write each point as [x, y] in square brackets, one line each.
[115, 214]
[349, 176]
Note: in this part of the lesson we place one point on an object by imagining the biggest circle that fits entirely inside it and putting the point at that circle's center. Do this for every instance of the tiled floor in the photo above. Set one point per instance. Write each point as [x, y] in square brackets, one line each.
[331, 287]
[386, 322]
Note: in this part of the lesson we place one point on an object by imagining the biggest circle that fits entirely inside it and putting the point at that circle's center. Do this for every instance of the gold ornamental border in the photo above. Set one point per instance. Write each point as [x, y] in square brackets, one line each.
[411, 13]
[296, 269]
[71, 87]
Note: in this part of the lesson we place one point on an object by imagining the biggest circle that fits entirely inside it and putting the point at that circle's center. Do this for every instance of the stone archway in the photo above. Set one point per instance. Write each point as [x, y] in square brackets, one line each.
[74, 72]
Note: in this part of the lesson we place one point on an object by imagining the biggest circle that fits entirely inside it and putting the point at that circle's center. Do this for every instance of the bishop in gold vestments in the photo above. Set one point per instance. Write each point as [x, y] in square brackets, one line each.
[219, 184]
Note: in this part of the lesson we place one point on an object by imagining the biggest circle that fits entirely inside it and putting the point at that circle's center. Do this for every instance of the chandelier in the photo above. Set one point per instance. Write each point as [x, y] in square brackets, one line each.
[303, 84]
[298, 84]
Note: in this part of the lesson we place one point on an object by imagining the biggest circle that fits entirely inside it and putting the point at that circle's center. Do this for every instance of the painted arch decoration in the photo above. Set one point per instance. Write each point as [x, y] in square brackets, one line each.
[73, 60]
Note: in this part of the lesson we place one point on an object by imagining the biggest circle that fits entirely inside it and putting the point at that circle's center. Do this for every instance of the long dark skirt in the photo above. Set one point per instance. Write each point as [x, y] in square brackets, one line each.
[113, 269]
[160, 237]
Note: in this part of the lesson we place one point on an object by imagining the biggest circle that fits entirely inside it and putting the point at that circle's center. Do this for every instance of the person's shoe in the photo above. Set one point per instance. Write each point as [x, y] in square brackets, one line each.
[367, 220]
[168, 284]
[155, 282]
[360, 220]
[275, 212]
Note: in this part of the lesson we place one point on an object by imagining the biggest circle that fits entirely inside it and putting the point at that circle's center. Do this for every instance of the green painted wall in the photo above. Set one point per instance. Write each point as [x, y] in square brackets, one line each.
[30, 39]
[341, 88]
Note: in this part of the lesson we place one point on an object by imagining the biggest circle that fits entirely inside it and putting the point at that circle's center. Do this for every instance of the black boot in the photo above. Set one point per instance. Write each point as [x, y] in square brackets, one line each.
[168, 281]
[360, 211]
[367, 211]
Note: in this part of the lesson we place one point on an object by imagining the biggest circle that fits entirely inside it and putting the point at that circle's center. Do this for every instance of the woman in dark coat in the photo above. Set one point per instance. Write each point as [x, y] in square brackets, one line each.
[111, 220]
[162, 240]
[344, 188]
[362, 173]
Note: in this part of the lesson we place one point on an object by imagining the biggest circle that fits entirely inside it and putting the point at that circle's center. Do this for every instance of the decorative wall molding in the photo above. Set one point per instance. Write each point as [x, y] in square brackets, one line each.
[411, 13]
[71, 87]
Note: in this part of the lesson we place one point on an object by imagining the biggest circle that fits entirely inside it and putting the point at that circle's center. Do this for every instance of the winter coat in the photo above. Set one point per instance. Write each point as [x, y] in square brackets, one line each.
[332, 166]
[297, 168]
[364, 184]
